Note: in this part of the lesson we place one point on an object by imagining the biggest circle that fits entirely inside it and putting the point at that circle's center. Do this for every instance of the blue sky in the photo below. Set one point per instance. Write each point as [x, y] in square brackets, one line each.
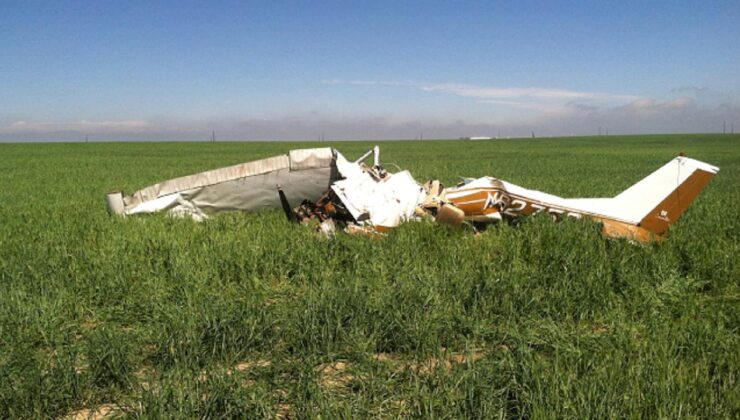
[292, 70]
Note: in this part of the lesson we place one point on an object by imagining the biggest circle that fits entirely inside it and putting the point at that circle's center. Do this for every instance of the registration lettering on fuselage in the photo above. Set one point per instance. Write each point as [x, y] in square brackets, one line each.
[515, 207]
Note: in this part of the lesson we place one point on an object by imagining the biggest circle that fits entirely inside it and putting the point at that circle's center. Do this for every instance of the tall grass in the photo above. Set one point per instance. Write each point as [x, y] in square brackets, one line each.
[246, 315]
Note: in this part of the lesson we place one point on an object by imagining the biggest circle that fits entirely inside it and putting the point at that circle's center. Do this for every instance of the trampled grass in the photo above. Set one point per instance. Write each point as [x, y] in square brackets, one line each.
[246, 315]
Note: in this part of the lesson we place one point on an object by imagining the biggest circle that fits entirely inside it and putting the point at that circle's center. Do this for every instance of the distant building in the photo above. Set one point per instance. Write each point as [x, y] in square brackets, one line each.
[477, 138]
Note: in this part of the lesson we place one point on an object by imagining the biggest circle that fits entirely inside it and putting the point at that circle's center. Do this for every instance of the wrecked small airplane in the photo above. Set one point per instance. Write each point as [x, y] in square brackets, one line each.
[321, 186]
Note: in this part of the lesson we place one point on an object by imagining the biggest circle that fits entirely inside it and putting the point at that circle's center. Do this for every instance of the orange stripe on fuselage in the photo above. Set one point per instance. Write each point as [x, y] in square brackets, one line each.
[482, 201]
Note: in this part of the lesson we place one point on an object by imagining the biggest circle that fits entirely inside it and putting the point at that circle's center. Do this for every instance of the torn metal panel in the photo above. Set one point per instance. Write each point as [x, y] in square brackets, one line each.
[380, 202]
[364, 196]
[249, 186]
[207, 178]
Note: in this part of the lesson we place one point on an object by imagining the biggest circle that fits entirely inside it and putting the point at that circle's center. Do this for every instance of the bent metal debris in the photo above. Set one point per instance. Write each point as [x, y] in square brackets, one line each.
[320, 186]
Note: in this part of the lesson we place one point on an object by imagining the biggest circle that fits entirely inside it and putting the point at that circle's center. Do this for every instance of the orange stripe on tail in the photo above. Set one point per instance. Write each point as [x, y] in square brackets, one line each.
[673, 206]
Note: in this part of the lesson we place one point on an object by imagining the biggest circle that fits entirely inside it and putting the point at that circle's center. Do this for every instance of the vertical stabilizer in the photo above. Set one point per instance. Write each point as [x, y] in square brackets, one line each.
[659, 199]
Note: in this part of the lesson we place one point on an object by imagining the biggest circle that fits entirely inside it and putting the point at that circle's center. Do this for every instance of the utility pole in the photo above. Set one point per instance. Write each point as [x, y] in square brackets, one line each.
[607, 131]
[724, 127]
[421, 136]
[86, 139]
[213, 136]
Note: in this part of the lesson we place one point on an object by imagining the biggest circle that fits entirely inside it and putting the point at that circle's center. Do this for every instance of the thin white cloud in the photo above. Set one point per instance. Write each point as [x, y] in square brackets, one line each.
[485, 92]
[544, 108]
[679, 103]
[649, 106]
[535, 99]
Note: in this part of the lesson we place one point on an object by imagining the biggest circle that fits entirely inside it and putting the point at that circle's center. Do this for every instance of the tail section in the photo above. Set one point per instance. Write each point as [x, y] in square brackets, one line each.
[659, 199]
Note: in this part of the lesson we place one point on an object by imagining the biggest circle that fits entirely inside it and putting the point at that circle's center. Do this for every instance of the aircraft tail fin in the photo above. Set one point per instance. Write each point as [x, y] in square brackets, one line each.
[659, 199]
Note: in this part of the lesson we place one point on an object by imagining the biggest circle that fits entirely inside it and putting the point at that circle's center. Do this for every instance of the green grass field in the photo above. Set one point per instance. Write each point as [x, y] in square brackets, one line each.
[246, 315]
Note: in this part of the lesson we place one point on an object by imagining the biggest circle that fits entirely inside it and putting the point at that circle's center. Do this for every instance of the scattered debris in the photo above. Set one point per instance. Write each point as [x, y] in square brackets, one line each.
[321, 188]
